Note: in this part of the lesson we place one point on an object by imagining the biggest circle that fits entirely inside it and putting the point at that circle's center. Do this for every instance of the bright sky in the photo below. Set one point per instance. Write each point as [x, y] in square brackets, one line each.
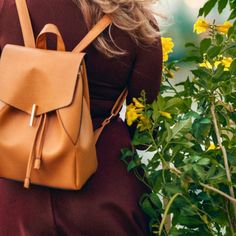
[171, 6]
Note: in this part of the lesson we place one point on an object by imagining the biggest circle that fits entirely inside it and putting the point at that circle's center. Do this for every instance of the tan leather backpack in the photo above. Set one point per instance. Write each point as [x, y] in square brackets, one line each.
[46, 131]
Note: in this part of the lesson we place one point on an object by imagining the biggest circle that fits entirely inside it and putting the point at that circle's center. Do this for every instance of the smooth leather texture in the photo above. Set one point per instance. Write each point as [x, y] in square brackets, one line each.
[93, 33]
[58, 150]
[47, 79]
[24, 18]
[41, 39]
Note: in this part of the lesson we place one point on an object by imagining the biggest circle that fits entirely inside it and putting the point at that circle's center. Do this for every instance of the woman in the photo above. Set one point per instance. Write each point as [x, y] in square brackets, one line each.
[127, 55]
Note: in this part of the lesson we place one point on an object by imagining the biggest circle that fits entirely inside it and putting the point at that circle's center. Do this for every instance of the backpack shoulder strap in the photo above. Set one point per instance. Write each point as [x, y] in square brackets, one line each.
[93, 33]
[114, 112]
[25, 23]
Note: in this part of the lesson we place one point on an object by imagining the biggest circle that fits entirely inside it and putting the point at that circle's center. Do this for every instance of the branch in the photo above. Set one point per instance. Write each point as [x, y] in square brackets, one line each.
[226, 164]
[218, 191]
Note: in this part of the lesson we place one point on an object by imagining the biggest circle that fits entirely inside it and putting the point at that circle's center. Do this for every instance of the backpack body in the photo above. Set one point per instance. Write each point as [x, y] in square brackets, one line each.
[46, 131]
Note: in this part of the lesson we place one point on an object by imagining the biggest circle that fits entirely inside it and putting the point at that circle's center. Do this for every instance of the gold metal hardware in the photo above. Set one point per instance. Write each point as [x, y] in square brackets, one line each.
[33, 114]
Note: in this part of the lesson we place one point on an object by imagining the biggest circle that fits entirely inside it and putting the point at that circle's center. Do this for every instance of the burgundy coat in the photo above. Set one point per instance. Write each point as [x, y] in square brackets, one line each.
[108, 203]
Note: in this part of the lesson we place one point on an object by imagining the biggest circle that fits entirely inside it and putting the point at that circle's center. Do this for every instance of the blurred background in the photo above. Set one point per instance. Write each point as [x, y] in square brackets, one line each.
[180, 17]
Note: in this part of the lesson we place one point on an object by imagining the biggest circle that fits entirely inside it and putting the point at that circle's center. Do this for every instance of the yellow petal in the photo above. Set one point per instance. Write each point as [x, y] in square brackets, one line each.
[137, 103]
[131, 116]
[166, 114]
[217, 63]
[212, 147]
[144, 123]
[165, 57]
[200, 26]
[167, 47]
[224, 28]
[226, 61]
[206, 64]
[167, 44]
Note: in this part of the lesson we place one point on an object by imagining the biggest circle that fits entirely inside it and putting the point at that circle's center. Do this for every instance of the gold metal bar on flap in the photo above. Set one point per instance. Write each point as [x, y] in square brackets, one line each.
[32, 114]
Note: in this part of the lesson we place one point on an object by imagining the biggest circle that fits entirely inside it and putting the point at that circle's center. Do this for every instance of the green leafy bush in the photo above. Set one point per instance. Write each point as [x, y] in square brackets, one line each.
[189, 134]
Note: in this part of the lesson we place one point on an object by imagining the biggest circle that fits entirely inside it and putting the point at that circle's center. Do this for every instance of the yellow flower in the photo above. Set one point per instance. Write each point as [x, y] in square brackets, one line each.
[144, 123]
[212, 147]
[226, 61]
[167, 47]
[206, 64]
[131, 114]
[224, 28]
[137, 103]
[218, 62]
[165, 114]
[200, 26]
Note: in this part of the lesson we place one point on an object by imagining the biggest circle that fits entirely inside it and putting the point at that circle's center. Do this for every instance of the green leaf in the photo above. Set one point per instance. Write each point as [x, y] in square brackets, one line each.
[221, 5]
[189, 221]
[232, 15]
[141, 138]
[179, 128]
[211, 171]
[155, 180]
[214, 51]
[126, 153]
[201, 11]
[204, 45]
[232, 4]
[201, 128]
[183, 143]
[172, 103]
[209, 6]
[233, 116]
[219, 72]
[172, 189]
[219, 39]
[200, 73]
[190, 44]
[131, 165]
[233, 67]
[199, 171]
[218, 178]
[155, 200]
[147, 206]
[204, 162]
[168, 130]
[226, 88]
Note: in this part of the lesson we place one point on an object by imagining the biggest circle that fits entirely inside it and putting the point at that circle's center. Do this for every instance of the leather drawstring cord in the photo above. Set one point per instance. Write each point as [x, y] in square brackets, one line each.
[36, 152]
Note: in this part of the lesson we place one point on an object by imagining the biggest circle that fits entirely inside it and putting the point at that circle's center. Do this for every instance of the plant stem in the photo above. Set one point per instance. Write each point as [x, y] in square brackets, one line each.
[164, 164]
[166, 211]
[229, 219]
[178, 173]
[141, 179]
[172, 87]
[168, 217]
[227, 169]
[233, 200]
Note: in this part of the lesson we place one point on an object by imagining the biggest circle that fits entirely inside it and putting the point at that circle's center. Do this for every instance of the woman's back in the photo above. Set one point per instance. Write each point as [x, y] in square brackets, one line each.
[107, 76]
[108, 203]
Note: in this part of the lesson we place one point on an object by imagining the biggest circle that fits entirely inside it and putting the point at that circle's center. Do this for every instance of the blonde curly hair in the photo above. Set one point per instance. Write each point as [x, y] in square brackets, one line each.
[136, 17]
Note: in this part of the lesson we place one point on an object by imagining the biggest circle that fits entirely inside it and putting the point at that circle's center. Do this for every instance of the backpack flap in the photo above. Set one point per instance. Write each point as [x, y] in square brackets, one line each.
[31, 76]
